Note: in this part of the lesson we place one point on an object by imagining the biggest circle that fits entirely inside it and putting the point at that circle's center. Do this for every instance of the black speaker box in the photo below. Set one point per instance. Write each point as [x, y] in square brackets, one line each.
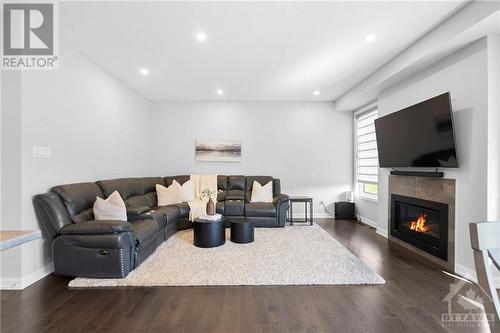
[345, 211]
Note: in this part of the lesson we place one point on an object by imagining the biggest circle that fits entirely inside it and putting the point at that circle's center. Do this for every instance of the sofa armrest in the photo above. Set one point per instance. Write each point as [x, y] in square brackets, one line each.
[280, 198]
[96, 227]
[109, 255]
[281, 203]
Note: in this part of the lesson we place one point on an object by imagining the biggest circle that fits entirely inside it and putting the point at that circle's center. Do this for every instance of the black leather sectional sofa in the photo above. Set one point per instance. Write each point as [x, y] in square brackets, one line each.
[83, 247]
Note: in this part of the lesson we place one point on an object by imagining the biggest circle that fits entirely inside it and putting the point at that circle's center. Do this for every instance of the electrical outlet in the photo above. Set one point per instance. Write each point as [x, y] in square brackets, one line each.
[321, 202]
[42, 152]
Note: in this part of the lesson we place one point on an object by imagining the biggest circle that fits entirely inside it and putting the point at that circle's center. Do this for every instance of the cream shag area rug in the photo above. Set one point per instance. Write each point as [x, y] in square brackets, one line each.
[296, 255]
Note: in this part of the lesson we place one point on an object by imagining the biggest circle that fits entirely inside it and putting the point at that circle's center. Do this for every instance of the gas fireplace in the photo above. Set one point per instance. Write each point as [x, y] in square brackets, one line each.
[421, 223]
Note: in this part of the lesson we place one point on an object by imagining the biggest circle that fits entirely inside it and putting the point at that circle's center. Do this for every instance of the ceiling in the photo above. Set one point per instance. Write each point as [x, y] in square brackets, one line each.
[281, 51]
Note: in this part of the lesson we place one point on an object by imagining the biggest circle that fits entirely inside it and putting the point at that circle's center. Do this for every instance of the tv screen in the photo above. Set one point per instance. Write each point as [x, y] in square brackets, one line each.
[420, 135]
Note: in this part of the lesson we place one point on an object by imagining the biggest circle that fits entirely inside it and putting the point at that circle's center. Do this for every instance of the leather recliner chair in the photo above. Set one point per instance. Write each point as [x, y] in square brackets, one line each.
[84, 247]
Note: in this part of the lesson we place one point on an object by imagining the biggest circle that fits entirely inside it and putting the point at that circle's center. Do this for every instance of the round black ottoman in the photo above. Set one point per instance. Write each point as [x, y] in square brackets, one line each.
[242, 231]
[209, 233]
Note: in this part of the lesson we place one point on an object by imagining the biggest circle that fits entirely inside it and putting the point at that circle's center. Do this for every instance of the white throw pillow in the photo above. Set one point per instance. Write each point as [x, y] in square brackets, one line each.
[187, 191]
[168, 195]
[262, 193]
[113, 208]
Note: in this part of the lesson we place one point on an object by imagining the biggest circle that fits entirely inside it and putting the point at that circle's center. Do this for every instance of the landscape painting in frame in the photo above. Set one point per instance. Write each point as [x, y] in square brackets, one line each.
[218, 150]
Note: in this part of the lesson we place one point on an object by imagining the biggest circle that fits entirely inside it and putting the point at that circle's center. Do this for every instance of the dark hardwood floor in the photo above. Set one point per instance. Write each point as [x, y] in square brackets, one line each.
[410, 301]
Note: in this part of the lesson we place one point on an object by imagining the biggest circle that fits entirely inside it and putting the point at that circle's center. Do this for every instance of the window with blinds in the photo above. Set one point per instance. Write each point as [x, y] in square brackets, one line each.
[367, 154]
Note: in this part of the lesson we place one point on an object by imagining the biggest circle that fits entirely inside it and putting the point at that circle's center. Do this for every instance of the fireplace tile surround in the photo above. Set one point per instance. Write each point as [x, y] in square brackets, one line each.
[439, 190]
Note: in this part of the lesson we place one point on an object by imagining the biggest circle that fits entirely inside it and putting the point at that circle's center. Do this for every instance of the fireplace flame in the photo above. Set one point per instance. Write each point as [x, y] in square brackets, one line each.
[419, 224]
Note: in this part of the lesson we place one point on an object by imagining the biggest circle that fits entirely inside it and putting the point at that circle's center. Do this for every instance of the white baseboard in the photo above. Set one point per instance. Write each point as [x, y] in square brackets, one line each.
[25, 281]
[367, 221]
[466, 272]
[10, 284]
[382, 233]
[319, 216]
[373, 224]
[470, 274]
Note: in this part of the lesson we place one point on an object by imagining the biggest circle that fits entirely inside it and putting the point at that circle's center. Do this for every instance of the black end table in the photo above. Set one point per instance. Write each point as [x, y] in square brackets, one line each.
[306, 201]
[242, 231]
[209, 233]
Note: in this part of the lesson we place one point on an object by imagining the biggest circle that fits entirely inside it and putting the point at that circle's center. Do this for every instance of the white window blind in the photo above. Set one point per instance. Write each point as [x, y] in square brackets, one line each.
[367, 154]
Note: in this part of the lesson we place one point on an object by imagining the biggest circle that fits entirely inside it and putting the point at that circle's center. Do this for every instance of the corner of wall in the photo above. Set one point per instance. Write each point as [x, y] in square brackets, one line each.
[493, 55]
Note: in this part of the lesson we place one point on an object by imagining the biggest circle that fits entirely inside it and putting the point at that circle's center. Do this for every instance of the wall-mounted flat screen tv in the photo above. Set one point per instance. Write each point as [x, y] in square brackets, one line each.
[420, 135]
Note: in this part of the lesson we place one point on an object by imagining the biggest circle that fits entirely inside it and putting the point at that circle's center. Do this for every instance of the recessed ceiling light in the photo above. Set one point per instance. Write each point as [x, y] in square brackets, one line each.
[220, 92]
[370, 38]
[201, 37]
[317, 93]
[144, 71]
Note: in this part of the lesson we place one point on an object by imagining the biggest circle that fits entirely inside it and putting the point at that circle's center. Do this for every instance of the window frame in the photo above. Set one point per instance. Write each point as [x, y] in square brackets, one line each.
[359, 185]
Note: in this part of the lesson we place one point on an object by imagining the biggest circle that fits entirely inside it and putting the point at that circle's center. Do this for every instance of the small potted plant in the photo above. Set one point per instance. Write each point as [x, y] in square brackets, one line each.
[208, 194]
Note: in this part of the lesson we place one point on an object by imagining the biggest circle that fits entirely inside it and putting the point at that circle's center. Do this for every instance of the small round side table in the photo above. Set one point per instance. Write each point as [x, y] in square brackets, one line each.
[209, 233]
[242, 231]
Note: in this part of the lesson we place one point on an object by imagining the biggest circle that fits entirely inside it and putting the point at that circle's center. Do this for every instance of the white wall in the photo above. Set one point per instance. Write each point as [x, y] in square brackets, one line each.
[96, 127]
[367, 211]
[465, 75]
[11, 167]
[493, 41]
[305, 144]
[493, 127]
